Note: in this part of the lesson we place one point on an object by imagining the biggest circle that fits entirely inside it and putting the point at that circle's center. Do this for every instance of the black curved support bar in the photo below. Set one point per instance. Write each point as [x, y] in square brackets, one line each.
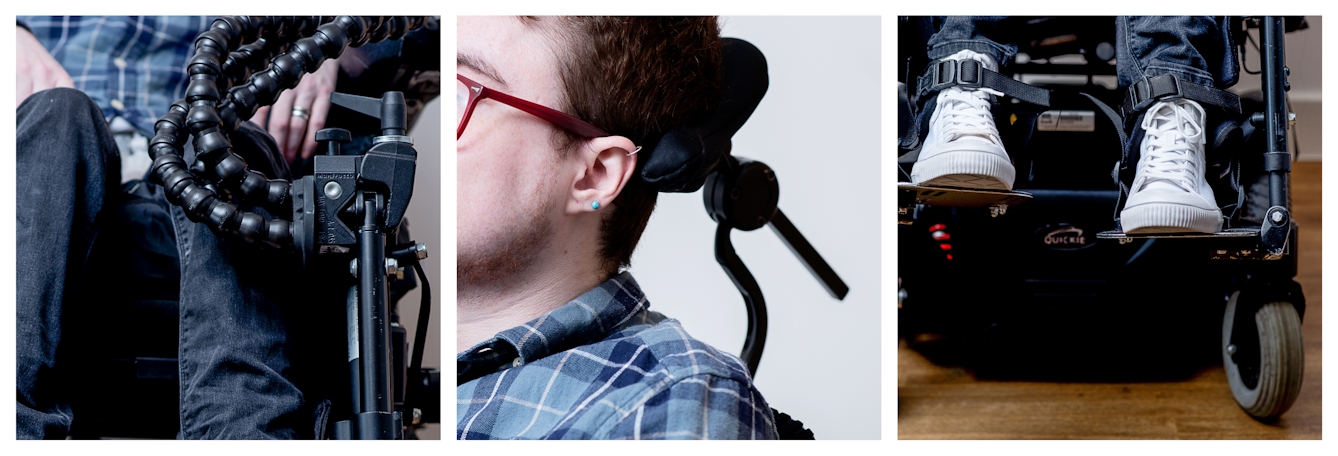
[1277, 160]
[420, 334]
[808, 255]
[752, 296]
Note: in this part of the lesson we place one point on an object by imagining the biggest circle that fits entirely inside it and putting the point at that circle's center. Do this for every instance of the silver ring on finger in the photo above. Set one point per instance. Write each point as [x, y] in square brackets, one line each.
[299, 112]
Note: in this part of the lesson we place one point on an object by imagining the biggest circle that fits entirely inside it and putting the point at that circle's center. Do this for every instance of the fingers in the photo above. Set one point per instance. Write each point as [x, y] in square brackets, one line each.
[297, 126]
[63, 79]
[280, 117]
[25, 87]
[36, 69]
[59, 77]
[321, 84]
[31, 79]
[261, 117]
[296, 135]
[319, 111]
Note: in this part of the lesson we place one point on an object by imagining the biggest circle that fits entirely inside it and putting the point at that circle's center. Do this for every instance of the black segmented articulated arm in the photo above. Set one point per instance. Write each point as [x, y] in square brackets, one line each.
[240, 64]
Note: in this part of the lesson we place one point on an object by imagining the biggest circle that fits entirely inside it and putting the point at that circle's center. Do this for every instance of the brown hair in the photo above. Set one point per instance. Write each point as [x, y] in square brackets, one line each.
[636, 77]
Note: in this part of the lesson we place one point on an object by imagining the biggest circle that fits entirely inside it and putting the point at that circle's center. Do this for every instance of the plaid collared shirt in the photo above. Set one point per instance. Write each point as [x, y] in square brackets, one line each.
[133, 66]
[605, 367]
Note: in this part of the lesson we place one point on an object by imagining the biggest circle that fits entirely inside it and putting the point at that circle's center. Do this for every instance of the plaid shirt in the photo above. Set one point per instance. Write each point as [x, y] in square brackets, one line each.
[133, 66]
[605, 367]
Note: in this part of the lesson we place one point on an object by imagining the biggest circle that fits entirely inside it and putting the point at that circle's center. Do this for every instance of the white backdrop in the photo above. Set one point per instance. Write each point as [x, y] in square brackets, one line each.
[819, 128]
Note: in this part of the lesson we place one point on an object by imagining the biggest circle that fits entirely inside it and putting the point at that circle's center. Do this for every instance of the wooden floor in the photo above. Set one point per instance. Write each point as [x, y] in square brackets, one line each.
[942, 402]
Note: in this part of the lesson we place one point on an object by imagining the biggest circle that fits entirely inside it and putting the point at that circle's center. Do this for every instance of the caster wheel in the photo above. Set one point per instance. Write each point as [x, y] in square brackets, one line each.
[1265, 366]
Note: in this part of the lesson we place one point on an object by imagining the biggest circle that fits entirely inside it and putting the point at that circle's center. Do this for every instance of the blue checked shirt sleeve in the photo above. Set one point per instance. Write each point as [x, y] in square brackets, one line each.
[700, 407]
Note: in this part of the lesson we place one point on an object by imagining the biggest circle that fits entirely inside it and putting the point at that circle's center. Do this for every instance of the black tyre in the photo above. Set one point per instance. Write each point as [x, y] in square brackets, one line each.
[1266, 385]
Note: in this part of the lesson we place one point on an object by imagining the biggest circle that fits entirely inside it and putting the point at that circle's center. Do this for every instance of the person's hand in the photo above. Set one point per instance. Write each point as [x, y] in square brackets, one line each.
[296, 134]
[37, 70]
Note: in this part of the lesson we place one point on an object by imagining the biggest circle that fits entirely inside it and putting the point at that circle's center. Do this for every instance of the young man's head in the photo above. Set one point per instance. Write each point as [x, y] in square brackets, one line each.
[534, 196]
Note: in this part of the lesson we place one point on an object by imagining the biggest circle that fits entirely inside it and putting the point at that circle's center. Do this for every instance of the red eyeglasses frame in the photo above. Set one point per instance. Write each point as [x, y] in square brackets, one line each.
[479, 92]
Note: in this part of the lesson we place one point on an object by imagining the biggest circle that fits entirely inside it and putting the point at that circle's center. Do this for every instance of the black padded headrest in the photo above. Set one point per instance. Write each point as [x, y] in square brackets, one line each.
[680, 161]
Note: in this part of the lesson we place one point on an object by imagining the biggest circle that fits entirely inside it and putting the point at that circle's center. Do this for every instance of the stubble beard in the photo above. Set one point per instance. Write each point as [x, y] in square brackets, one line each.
[501, 259]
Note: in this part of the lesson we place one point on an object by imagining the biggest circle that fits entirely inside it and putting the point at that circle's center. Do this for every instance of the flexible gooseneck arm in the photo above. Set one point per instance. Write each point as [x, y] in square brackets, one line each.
[213, 109]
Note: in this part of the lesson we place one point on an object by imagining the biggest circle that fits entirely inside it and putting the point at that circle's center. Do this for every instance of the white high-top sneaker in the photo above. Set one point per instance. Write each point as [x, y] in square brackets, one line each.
[963, 148]
[1170, 193]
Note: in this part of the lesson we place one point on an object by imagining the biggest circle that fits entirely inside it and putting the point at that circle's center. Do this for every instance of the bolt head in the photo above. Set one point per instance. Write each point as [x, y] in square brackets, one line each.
[1231, 349]
[333, 190]
[420, 250]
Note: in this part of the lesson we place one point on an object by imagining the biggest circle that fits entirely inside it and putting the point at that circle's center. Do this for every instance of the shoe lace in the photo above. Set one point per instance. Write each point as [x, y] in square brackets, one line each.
[967, 113]
[1172, 144]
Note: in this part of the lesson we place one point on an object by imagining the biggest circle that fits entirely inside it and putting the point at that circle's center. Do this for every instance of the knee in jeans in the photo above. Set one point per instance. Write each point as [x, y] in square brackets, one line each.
[61, 103]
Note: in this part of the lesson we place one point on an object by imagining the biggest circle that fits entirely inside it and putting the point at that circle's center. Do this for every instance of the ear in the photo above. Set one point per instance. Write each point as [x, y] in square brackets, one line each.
[606, 165]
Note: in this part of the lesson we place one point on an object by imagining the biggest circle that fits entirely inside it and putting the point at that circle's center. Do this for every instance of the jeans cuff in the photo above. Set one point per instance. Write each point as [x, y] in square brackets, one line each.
[1002, 54]
[1184, 73]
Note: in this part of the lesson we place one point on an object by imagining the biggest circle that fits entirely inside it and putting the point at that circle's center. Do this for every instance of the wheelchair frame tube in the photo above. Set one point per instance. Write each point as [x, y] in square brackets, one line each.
[373, 315]
[1274, 80]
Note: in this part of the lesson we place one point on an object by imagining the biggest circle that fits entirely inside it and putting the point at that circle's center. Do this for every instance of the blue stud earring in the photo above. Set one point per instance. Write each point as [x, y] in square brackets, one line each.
[594, 205]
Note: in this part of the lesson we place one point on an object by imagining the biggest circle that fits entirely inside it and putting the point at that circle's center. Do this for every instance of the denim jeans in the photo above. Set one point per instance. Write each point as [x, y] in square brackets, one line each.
[1197, 49]
[245, 326]
[67, 165]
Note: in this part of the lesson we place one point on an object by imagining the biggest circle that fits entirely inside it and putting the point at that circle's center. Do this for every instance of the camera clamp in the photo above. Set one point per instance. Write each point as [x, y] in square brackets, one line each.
[229, 81]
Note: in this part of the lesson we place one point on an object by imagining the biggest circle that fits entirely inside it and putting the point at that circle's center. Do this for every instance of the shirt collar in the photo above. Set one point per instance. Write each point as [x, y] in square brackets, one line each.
[589, 318]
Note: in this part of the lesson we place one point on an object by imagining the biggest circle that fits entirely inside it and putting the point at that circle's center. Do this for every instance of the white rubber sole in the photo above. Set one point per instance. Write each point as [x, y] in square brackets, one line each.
[1162, 218]
[965, 169]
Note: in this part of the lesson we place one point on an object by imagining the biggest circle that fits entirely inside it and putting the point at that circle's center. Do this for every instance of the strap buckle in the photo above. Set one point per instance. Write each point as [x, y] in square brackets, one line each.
[952, 73]
[1147, 91]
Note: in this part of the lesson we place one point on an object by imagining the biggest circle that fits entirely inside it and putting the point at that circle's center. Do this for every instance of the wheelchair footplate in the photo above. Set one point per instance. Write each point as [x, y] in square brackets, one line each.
[909, 195]
[1251, 249]
[1229, 233]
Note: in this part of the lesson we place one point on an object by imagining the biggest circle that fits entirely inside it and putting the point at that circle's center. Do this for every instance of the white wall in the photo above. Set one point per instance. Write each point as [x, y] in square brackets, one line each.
[819, 128]
[424, 215]
[1306, 62]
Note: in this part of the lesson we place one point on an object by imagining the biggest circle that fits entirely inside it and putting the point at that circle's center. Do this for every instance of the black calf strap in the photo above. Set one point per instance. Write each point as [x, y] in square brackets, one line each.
[1144, 93]
[972, 74]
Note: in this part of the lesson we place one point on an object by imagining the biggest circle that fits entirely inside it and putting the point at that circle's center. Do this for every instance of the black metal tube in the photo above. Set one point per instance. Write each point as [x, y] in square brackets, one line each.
[373, 315]
[398, 365]
[355, 370]
[1275, 58]
[808, 255]
[354, 359]
[420, 334]
[752, 297]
